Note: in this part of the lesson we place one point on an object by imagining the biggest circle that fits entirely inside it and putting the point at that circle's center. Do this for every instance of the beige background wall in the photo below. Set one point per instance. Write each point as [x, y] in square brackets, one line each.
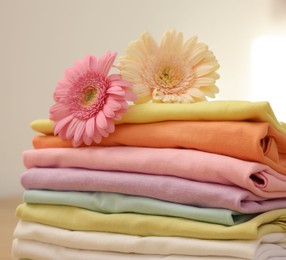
[39, 39]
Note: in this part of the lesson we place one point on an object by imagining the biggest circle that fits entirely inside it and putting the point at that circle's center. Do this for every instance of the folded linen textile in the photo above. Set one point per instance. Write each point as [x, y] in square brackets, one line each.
[106, 202]
[269, 250]
[220, 110]
[165, 188]
[185, 163]
[250, 141]
[43, 251]
[73, 218]
[246, 249]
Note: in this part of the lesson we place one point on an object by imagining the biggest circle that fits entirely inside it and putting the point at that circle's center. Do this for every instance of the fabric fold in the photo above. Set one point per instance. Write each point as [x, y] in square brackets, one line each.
[190, 164]
[167, 188]
[100, 241]
[105, 202]
[29, 249]
[73, 218]
[250, 141]
[220, 110]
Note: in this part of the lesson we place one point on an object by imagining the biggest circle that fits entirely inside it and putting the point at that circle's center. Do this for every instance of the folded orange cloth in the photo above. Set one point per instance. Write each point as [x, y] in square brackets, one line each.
[252, 141]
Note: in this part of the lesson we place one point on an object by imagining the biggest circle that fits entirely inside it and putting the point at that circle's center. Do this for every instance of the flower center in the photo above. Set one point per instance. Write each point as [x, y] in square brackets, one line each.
[89, 96]
[168, 77]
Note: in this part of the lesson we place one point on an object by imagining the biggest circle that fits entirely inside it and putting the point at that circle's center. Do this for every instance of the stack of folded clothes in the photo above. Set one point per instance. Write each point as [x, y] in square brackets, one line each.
[176, 177]
[174, 181]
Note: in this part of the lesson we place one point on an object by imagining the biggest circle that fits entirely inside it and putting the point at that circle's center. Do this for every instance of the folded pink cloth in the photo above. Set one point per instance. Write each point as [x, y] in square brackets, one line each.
[167, 188]
[190, 164]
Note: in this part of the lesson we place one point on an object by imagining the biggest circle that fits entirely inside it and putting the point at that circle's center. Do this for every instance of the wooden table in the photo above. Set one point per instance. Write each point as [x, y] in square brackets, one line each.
[8, 222]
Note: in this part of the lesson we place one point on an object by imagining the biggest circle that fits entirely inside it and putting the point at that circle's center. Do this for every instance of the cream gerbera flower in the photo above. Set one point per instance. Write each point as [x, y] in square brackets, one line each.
[172, 72]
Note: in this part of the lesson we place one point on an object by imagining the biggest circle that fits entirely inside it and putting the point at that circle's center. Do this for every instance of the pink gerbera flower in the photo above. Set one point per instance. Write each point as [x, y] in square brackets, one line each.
[88, 100]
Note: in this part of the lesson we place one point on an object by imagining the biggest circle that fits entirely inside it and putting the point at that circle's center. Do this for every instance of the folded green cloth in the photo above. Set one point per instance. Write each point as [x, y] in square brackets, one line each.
[105, 202]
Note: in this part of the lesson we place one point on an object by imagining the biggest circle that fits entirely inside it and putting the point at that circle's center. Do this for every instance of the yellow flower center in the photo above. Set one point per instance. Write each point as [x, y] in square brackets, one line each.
[168, 77]
[89, 96]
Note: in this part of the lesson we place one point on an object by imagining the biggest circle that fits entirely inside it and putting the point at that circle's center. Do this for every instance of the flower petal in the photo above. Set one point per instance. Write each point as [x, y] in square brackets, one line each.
[101, 121]
[195, 92]
[114, 77]
[62, 90]
[121, 83]
[118, 115]
[77, 143]
[72, 128]
[71, 75]
[97, 137]
[143, 47]
[84, 65]
[124, 105]
[114, 104]
[102, 132]
[78, 133]
[210, 91]
[172, 41]
[204, 81]
[198, 54]
[87, 140]
[205, 69]
[63, 132]
[59, 111]
[116, 90]
[58, 126]
[105, 62]
[189, 45]
[93, 64]
[130, 95]
[89, 127]
[108, 112]
[110, 125]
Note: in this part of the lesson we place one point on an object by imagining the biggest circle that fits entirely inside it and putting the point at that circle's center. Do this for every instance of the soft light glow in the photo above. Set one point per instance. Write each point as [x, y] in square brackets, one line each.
[269, 73]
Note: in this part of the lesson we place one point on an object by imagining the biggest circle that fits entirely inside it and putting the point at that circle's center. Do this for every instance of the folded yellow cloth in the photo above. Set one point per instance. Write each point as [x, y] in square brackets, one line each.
[73, 218]
[202, 111]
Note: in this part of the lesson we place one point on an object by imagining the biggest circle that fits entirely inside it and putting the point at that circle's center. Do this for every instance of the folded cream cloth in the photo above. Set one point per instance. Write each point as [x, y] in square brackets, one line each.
[31, 249]
[221, 110]
[107, 202]
[167, 188]
[185, 163]
[100, 241]
[73, 218]
[252, 141]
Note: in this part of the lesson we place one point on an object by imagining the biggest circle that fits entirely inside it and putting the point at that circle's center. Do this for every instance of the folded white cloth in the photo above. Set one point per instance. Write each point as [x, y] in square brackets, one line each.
[42, 251]
[38, 241]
